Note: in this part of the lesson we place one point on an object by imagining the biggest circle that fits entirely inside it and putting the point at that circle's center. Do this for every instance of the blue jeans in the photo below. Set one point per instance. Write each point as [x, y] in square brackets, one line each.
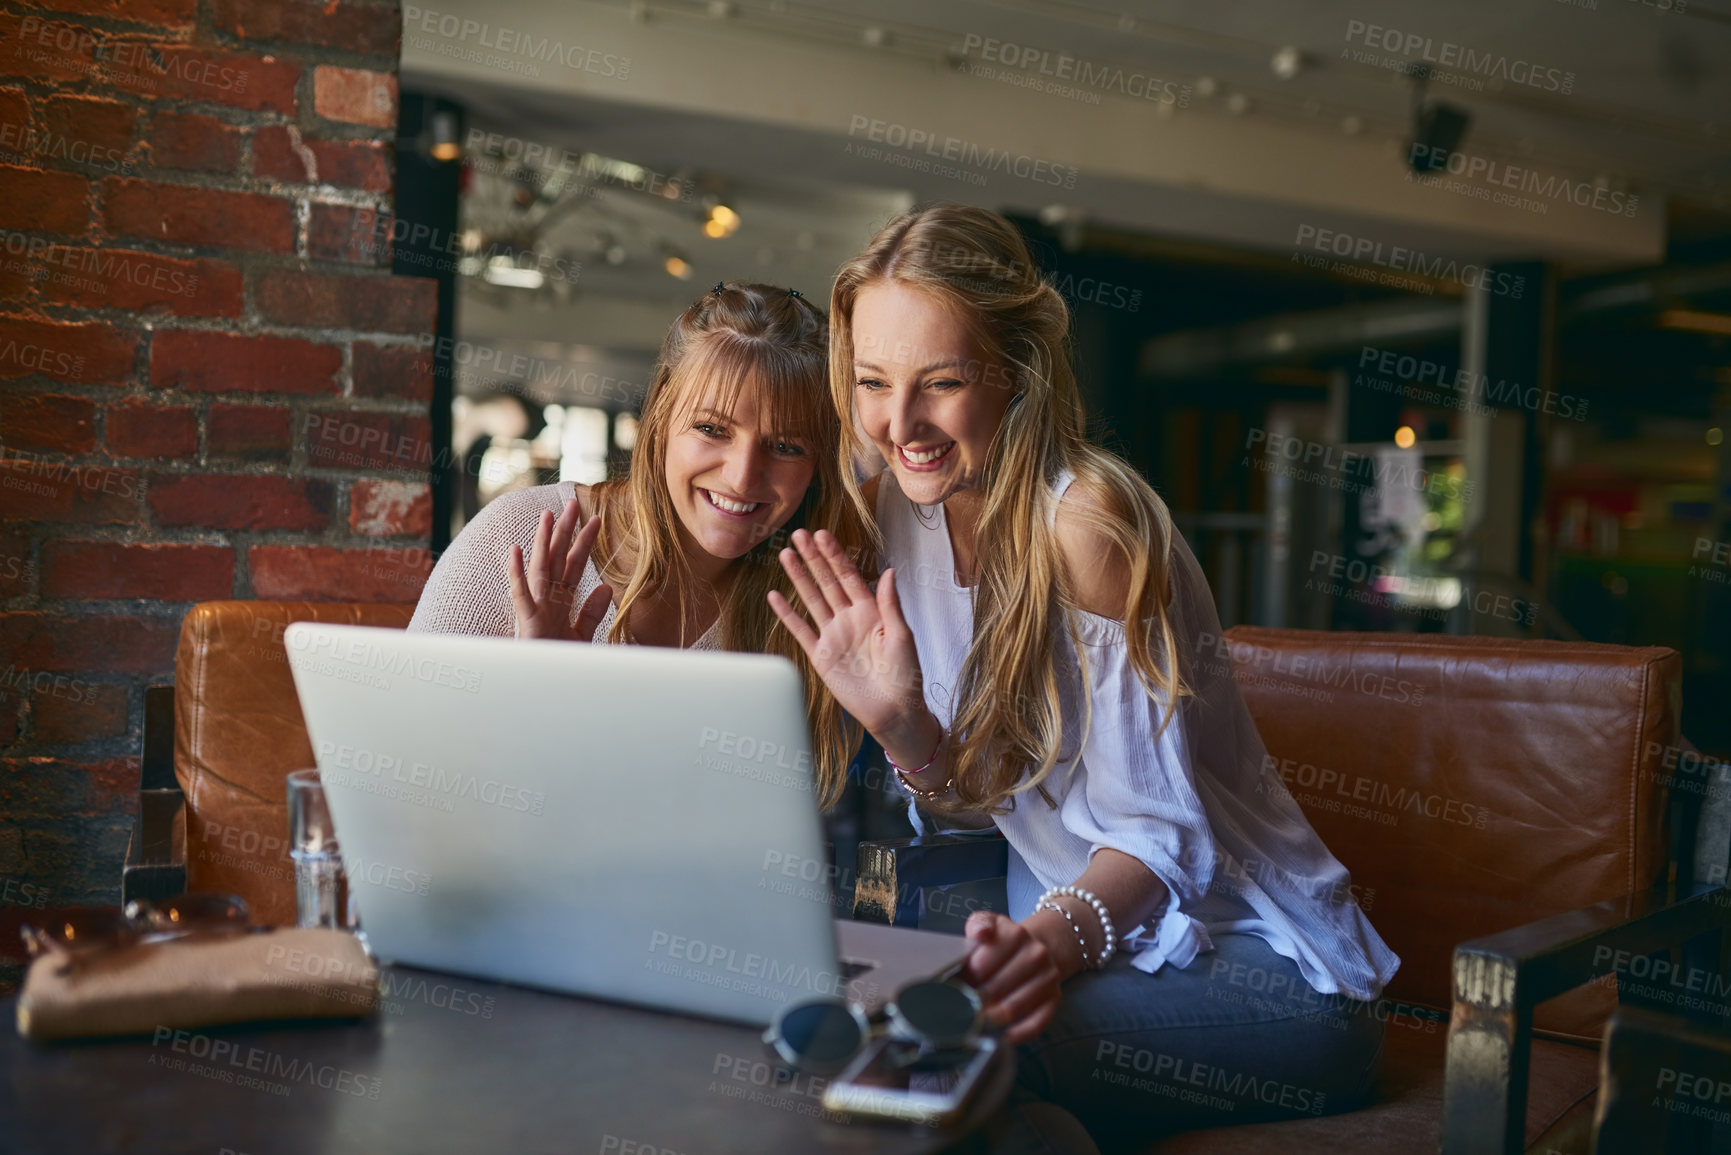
[1238, 1036]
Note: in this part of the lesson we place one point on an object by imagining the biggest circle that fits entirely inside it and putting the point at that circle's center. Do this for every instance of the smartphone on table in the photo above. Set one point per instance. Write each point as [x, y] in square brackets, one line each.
[894, 1080]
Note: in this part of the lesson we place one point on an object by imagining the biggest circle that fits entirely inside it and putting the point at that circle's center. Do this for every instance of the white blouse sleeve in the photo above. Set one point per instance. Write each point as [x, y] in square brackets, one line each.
[1137, 792]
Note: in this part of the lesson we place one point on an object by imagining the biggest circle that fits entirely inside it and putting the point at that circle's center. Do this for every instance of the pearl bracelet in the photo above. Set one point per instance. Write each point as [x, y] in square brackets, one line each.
[1106, 928]
[1080, 941]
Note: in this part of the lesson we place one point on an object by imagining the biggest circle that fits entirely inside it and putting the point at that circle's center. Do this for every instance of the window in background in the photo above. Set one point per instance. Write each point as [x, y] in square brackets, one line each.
[498, 441]
[520, 463]
[583, 445]
[505, 465]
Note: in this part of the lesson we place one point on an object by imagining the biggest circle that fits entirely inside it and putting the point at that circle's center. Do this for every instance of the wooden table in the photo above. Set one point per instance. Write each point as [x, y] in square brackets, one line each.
[451, 1065]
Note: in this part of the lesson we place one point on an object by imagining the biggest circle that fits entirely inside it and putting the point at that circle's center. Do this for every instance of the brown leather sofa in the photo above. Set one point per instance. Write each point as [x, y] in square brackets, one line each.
[1474, 786]
[1481, 791]
[238, 732]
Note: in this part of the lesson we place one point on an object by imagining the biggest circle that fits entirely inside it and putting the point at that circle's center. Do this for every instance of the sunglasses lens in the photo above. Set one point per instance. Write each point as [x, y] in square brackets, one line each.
[941, 1012]
[821, 1034]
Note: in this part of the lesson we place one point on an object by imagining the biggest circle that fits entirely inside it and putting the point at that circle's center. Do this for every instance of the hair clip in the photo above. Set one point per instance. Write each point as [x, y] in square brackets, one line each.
[795, 293]
[719, 287]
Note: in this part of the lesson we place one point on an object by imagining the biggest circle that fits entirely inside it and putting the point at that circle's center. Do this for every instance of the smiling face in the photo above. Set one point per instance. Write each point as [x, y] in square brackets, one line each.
[733, 475]
[927, 397]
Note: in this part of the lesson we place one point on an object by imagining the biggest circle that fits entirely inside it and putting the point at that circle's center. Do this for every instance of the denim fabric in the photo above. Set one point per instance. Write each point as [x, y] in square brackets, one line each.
[1238, 1036]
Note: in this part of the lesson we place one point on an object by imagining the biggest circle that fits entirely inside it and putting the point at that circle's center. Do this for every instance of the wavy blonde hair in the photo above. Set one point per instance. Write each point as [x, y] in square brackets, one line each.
[1008, 729]
[738, 337]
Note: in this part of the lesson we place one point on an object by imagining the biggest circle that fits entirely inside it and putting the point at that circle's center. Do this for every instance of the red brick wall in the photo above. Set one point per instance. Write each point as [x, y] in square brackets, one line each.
[210, 384]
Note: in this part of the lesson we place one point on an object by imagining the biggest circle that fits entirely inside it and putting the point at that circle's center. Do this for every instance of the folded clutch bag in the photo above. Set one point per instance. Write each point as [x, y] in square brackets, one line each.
[200, 982]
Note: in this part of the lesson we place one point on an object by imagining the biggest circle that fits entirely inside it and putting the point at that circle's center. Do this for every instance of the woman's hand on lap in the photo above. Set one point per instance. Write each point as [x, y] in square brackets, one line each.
[1015, 973]
[541, 599]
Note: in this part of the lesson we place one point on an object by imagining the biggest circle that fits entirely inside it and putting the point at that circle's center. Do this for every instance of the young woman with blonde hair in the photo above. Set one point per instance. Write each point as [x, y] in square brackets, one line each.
[737, 443]
[1029, 659]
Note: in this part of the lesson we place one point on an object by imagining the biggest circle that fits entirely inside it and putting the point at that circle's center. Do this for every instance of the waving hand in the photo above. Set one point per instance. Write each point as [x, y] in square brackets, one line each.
[542, 601]
[857, 641]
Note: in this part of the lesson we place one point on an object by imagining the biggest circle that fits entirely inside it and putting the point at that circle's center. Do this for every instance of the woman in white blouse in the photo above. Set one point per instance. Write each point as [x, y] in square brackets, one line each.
[994, 666]
[737, 443]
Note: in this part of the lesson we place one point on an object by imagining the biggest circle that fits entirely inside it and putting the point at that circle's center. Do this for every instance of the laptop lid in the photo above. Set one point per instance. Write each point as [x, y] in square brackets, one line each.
[605, 820]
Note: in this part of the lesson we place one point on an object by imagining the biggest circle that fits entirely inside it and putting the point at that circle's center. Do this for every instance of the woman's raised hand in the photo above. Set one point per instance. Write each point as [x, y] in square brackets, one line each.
[861, 646]
[542, 600]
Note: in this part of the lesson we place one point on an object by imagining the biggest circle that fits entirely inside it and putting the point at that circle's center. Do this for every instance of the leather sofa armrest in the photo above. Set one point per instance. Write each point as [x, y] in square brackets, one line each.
[156, 852]
[890, 874]
[1500, 978]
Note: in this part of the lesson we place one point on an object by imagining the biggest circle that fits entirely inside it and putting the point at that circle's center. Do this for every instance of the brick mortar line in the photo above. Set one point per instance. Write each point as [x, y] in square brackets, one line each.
[226, 326]
[241, 540]
[340, 514]
[170, 103]
[55, 310]
[202, 34]
[107, 535]
[131, 608]
[243, 259]
[309, 56]
[154, 611]
[302, 195]
[221, 466]
[53, 17]
[235, 182]
[324, 130]
[200, 401]
[37, 88]
[143, 167]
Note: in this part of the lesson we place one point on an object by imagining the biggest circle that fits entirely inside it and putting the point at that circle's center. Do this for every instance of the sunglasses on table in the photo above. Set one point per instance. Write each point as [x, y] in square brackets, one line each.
[931, 1026]
[80, 935]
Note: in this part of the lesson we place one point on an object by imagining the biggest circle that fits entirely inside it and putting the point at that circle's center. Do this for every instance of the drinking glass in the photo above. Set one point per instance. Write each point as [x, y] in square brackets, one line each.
[321, 887]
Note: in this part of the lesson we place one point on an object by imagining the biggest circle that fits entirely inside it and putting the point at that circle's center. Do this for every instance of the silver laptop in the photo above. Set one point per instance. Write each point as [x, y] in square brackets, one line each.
[627, 822]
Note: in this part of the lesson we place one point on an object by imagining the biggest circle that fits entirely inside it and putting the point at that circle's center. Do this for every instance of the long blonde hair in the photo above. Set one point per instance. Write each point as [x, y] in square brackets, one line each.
[738, 336]
[1008, 728]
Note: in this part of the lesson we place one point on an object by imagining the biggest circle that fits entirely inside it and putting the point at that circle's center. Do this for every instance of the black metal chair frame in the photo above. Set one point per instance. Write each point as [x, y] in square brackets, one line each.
[156, 852]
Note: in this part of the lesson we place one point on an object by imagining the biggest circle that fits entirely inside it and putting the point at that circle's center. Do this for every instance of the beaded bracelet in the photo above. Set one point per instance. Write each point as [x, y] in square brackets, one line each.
[902, 773]
[1106, 928]
[1081, 942]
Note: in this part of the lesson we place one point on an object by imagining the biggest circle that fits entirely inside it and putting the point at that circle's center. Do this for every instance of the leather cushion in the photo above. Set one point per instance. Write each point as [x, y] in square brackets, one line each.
[238, 732]
[1471, 784]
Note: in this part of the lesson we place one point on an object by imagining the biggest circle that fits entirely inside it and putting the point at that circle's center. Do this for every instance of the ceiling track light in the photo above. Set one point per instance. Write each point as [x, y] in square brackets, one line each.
[445, 145]
[1437, 127]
